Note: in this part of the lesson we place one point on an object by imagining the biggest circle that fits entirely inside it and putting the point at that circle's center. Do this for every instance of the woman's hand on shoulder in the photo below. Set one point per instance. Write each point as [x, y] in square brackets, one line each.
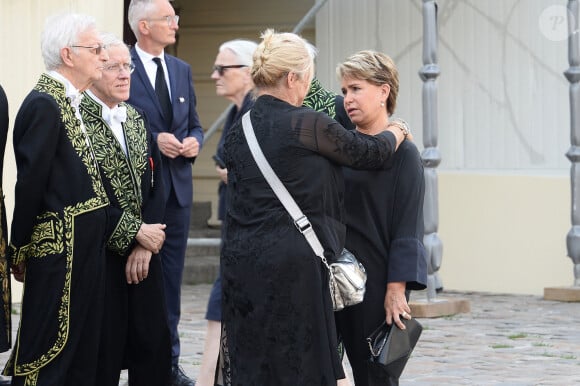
[400, 128]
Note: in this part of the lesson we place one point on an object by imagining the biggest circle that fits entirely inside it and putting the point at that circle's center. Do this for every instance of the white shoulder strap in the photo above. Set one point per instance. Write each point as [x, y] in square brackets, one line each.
[300, 220]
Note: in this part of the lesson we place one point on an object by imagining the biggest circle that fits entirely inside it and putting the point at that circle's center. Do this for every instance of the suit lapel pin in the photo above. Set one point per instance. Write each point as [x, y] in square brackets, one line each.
[181, 99]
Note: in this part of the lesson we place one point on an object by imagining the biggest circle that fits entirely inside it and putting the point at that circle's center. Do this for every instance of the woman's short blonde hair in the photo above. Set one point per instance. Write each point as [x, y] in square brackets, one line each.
[280, 53]
[374, 67]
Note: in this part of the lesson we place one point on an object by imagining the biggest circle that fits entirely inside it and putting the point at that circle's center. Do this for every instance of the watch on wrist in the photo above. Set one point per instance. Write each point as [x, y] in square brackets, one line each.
[402, 125]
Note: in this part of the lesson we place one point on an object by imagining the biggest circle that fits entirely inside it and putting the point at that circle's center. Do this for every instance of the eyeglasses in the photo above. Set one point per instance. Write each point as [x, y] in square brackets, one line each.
[118, 67]
[97, 48]
[169, 19]
[222, 69]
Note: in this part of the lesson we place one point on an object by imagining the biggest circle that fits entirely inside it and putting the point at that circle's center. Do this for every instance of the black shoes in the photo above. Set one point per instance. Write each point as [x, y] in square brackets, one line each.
[178, 377]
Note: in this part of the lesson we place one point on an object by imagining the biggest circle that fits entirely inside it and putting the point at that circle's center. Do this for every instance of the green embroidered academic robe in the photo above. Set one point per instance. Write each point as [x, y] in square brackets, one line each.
[59, 230]
[134, 185]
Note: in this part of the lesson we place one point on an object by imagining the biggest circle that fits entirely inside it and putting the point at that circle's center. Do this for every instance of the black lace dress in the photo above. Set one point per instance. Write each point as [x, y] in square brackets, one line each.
[278, 323]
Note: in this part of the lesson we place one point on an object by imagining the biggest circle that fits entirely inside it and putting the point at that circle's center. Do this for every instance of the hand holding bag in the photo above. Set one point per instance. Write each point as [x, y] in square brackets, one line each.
[347, 276]
[391, 347]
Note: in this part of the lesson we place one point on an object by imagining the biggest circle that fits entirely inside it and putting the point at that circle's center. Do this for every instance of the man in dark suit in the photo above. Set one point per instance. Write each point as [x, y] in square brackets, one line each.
[59, 222]
[135, 334]
[162, 87]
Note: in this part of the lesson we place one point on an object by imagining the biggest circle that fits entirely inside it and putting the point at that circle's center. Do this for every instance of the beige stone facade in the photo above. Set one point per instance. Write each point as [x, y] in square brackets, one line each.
[504, 191]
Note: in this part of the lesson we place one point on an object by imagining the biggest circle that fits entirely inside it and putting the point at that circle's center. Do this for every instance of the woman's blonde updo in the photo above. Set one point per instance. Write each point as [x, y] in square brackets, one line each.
[279, 54]
[374, 67]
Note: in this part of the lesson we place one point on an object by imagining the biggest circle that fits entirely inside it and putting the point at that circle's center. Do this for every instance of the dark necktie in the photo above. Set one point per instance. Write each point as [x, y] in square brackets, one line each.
[163, 93]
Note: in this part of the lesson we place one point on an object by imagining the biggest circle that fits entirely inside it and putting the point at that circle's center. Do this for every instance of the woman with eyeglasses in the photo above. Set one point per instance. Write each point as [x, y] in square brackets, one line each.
[278, 323]
[233, 81]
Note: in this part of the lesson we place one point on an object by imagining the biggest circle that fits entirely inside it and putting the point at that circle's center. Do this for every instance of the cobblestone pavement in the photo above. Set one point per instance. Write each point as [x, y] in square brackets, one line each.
[504, 340]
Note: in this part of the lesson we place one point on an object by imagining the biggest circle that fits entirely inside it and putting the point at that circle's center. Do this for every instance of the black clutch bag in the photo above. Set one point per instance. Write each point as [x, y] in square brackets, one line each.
[391, 347]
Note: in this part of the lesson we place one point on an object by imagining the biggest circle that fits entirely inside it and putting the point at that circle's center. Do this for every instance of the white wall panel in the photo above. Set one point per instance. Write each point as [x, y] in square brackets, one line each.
[21, 23]
[503, 100]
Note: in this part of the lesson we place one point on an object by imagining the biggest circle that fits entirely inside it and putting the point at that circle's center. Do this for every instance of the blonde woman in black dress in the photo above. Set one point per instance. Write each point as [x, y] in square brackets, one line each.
[277, 320]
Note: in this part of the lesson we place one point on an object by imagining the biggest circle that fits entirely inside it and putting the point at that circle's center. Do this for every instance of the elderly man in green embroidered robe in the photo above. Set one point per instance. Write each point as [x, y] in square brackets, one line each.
[59, 223]
[5, 290]
[5, 294]
[135, 332]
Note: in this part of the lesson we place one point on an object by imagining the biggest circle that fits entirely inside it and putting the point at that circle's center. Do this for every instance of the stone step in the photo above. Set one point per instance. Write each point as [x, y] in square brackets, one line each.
[194, 251]
[200, 269]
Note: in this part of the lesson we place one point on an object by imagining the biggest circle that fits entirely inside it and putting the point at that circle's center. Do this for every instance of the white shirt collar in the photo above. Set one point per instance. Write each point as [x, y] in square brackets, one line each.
[151, 67]
[147, 57]
[70, 90]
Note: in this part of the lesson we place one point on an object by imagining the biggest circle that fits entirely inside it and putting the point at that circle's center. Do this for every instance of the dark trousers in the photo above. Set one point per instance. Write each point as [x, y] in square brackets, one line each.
[357, 322]
[172, 260]
[135, 332]
[354, 339]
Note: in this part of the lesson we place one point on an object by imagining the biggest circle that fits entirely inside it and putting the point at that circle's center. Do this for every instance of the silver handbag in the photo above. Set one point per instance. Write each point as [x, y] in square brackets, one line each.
[346, 276]
[349, 282]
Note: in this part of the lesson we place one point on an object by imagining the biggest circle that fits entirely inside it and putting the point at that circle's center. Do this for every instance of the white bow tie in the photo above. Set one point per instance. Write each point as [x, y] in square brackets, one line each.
[117, 114]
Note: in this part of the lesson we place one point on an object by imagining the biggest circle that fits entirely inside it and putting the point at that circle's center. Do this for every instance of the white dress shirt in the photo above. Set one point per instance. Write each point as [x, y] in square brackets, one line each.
[151, 66]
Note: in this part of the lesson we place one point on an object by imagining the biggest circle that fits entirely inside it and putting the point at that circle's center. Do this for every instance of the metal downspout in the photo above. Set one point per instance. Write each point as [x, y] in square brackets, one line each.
[430, 155]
